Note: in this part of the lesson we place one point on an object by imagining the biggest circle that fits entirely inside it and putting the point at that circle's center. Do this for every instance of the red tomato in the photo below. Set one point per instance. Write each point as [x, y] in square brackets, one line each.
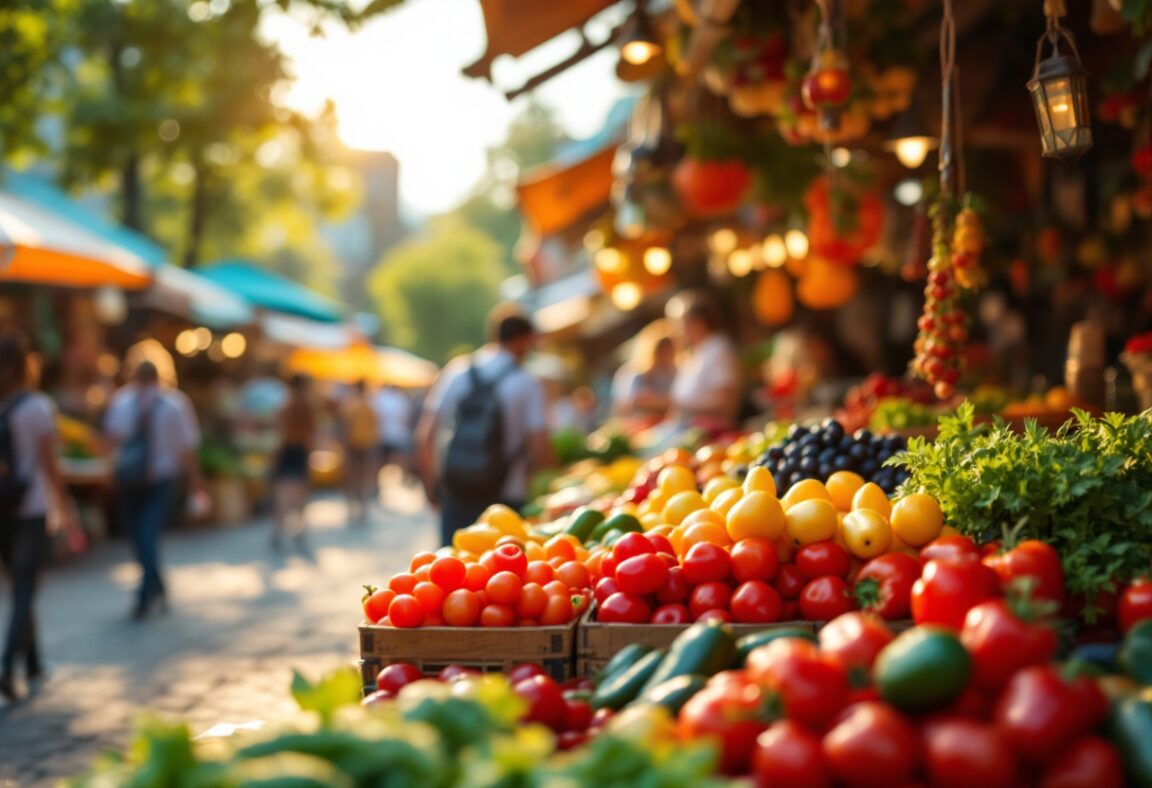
[525, 670]
[948, 589]
[642, 575]
[504, 588]
[825, 598]
[754, 559]
[600, 718]
[406, 612]
[533, 600]
[546, 701]
[812, 688]
[605, 588]
[608, 565]
[790, 610]
[402, 583]
[448, 572]
[475, 577]
[822, 559]
[488, 561]
[854, 640]
[871, 744]
[423, 558]
[580, 602]
[755, 602]
[510, 558]
[398, 675]
[1034, 562]
[706, 562]
[454, 673]
[961, 753]
[661, 544]
[624, 608]
[558, 611]
[1135, 603]
[954, 546]
[884, 585]
[421, 574]
[709, 596]
[556, 588]
[673, 613]
[498, 616]
[430, 596]
[1090, 762]
[376, 602]
[1001, 643]
[539, 572]
[630, 546]
[1042, 712]
[788, 755]
[461, 608]
[377, 697]
[574, 575]
[729, 713]
[676, 587]
[577, 715]
[719, 614]
[789, 581]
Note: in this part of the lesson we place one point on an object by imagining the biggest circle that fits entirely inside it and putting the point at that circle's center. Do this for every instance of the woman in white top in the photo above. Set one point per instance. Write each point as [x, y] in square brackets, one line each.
[706, 391]
[34, 488]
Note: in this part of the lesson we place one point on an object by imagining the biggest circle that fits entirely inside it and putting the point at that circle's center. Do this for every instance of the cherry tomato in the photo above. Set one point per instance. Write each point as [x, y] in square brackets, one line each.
[790, 610]
[787, 755]
[1090, 762]
[402, 583]
[1034, 562]
[709, 596]
[755, 602]
[577, 715]
[954, 546]
[812, 688]
[461, 608]
[504, 588]
[706, 562]
[423, 558]
[1135, 604]
[376, 603]
[719, 614]
[510, 558]
[533, 600]
[430, 596]
[728, 712]
[475, 577]
[398, 675]
[454, 673]
[754, 558]
[821, 559]
[421, 574]
[1043, 712]
[525, 670]
[790, 581]
[605, 588]
[556, 588]
[540, 572]
[600, 718]
[621, 608]
[676, 587]
[825, 598]
[661, 544]
[948, 589]
[854, 640]
[642, 575]
[630, 546]
[884, 585]
[448, 572]
[574, 575]
[964, 752]
[546, 701]
[608, 565]
[558, 611]
[406, 612]
[1002, 643]
[672, 613]
[871, 744]
[498, 616]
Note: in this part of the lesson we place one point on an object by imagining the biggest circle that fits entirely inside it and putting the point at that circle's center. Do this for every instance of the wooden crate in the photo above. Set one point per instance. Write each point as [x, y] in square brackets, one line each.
[487, 649]
[596, 642]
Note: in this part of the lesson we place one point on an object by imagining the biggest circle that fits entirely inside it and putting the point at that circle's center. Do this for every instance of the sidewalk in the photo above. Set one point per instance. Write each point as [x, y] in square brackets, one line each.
[242, 619]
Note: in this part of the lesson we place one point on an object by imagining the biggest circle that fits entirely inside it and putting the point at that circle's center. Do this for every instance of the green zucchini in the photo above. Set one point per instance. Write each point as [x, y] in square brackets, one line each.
[703, 649]
[583, 522]
[623, 688]
[618, 522]
[612, 537]
[622, 660]
[674, 693]
[1135, 657]
[749, 643]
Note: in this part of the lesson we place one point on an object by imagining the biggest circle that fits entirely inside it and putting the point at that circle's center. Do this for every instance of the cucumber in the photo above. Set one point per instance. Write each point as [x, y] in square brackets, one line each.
[704, 649]
[749, 643]
[674, 693]
[612, 537]
[623, 688]
[622, 660]
[583, 522]
[619, 522]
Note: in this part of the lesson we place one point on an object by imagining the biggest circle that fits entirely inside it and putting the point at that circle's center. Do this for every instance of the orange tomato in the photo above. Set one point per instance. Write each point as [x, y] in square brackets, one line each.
[430, 596]
[726, 500]
[705, 532]
[476, 577]
[756, 514]
[703, 516]
[594, 563]
[402, 583]
[556, 588]
[503, 588]
[558, 611]
[535, 551]
[421, 559]
[421, 575]
[574, 575]
[497, 616]
[562, 546]
[533, 600]
[843, 486]
[539, 572]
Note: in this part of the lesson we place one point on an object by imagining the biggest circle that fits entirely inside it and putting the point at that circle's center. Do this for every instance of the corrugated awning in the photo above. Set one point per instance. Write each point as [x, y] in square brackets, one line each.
[518, 26]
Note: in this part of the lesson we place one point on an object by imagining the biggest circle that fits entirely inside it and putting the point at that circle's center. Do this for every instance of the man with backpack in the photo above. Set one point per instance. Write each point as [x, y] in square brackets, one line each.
[484, 427]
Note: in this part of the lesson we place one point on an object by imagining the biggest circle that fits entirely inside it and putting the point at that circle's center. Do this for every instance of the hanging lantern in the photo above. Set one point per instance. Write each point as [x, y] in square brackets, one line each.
[910, 140]
[1059, 91]
[640, 44]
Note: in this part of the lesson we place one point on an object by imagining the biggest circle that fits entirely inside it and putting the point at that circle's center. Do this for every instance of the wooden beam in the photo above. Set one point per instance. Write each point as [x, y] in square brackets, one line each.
[586, 50]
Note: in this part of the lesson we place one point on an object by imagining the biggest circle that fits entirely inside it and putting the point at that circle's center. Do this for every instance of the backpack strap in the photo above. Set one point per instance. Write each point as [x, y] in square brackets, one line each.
[478, 382]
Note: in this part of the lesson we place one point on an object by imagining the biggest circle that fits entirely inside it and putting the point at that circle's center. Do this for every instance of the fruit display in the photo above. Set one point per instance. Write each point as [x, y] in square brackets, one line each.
[816, 452]
[875, 392]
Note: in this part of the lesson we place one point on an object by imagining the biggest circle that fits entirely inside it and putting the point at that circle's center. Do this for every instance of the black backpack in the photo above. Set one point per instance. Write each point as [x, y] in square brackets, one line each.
[12, 487]
[132, 470]
[477, 462]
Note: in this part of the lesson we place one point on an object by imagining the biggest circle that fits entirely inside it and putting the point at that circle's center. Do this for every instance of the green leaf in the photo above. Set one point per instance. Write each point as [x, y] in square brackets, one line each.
[341, 688]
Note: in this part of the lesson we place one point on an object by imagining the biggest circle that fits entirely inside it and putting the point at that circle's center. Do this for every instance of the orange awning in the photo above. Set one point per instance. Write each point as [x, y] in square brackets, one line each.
[518, 26]
[554, 197]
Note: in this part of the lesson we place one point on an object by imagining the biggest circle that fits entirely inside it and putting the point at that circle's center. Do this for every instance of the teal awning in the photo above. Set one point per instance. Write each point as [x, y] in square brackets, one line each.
[267, 290]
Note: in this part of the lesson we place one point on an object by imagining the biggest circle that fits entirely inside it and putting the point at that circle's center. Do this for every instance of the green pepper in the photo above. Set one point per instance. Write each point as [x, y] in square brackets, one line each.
[1135, 657]
[923, 669]
[1132, 735]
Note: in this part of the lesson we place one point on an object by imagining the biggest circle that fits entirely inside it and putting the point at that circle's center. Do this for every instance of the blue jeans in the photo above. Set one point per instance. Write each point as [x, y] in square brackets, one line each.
[24, 547]
[146, 511]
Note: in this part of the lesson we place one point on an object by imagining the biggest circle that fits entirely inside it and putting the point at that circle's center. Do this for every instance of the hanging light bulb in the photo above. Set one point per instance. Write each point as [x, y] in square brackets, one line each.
[775, 251]
[1059, 90]
[740, 262]
[796, 242]
[640, 44]
[910, 139]
[626, 296]
[657, 260]
[723, 240]
[610, 260]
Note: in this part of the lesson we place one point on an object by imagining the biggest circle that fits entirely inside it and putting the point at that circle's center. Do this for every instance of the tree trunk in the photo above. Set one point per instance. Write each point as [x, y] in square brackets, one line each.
[197, 214]
[131, 194]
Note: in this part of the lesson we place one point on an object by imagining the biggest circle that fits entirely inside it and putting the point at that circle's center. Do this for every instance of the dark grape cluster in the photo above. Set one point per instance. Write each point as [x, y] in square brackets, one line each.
[817, 451]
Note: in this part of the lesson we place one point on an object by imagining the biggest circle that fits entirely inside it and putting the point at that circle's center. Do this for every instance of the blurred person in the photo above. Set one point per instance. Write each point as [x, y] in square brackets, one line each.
[360, 431]
[157, 436]
[394, 426]
[290, 475]
[640, 358]
[706, 390]
[650, 394]
[484, 427]
[31, 489]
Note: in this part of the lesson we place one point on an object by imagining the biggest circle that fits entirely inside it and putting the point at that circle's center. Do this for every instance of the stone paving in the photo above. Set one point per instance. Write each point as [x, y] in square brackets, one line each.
[242, 619]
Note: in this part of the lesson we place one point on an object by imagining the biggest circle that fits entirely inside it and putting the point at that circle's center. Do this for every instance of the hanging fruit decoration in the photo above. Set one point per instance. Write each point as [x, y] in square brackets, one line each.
[827, 86]
[967, 246]
[826, 285]
[711, 188]
[772, 298]
[843, 222]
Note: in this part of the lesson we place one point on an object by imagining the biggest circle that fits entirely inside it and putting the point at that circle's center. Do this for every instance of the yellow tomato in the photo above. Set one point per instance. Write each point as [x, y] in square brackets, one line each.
[676, 538]
[813, 520]
[675, 479]
[710, 471]
[704, 532]
[625, 508]
[726, 500]
[870, 496]
[704, 516]
[649, 520]
[505, 520]
[917, 519]
[843, 486]
[658, 500]
[718, 485]
[476, 538]
[759, 479]
[866, 533]
[681, 505]
[661, 530]
[644, 508]
[806, 490]
[756, 514]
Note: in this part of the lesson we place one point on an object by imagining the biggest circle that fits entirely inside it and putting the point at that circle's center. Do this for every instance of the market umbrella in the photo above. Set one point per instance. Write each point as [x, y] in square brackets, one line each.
[265, 289]
[376, 365]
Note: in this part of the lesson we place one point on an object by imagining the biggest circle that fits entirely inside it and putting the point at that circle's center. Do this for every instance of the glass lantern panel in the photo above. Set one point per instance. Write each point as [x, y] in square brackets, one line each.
[1061, 103]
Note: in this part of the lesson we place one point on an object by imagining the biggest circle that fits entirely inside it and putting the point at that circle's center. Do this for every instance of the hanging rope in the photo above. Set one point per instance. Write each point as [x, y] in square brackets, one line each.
[948, 162]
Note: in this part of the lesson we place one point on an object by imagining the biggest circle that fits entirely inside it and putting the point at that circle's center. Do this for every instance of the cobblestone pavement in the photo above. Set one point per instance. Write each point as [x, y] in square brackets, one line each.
[242, 619]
